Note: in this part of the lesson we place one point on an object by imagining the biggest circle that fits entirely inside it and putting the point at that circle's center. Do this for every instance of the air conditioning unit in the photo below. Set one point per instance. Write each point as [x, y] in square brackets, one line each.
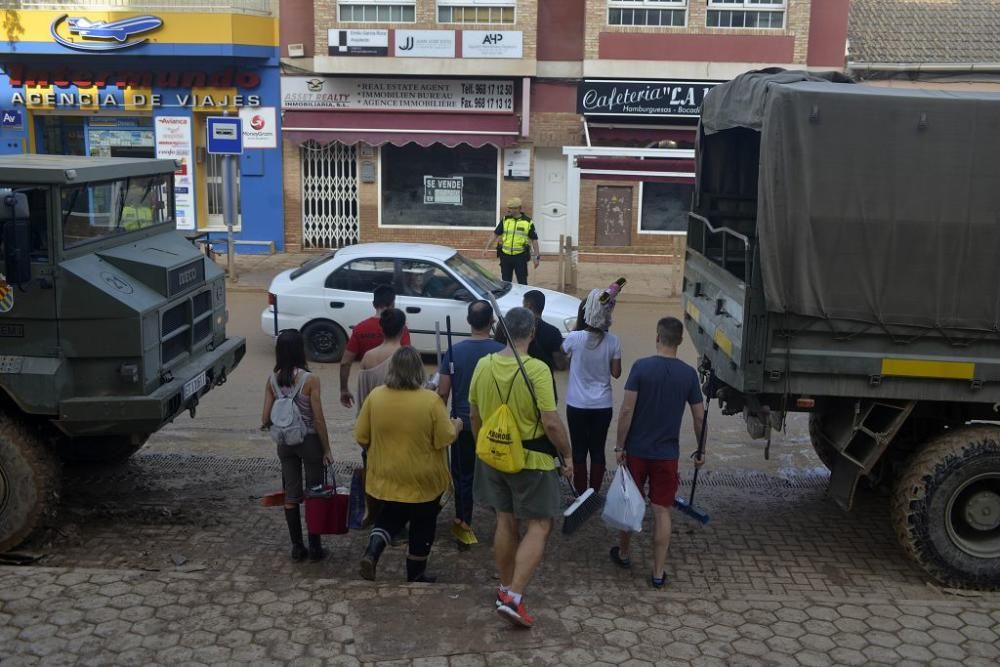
[296, 50]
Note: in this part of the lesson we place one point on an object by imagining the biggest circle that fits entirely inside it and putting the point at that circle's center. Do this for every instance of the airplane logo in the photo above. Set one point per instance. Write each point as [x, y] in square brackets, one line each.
[104, 36]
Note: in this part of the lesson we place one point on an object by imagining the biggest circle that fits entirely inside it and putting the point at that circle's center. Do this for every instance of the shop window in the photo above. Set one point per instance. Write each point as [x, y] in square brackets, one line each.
[438, 186]
[476, 11]
[664, 207]
[426, 280]
[667, 13]
[377, 11]
[768, 14]
[363, 275]
[93, 211]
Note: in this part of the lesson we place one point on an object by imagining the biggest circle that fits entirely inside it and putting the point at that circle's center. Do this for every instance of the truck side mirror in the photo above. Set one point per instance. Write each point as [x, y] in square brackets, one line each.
[16, 240]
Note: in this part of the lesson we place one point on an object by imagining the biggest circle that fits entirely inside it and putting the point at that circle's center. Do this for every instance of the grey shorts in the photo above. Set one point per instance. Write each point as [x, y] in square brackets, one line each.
[308, 455]
[529, 494]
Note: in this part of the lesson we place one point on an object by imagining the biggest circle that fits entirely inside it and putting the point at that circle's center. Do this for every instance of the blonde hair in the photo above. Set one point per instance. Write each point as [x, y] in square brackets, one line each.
[406, 370]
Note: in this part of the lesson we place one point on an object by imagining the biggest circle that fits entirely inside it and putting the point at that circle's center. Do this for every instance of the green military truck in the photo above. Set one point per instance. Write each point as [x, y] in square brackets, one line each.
[111, 322]
[843, 259]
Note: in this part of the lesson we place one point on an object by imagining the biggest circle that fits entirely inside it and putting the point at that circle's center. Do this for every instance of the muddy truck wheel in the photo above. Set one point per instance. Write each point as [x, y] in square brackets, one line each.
[108, 449]
[946, 508]
[28, 481]
[824, 450]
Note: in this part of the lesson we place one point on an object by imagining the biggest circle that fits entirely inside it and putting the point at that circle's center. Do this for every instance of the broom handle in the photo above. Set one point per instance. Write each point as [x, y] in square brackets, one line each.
[701, 449]
[524, 372]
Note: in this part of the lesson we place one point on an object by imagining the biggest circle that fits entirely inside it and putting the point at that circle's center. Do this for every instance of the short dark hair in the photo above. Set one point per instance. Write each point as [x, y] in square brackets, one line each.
[392, 321]
[289, 354]
[383, 296]
[480, 314]
[669, 331]
[534, 301]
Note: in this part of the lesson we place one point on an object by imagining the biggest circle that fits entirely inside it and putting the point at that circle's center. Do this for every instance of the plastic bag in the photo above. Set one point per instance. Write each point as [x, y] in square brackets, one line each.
[624, 506]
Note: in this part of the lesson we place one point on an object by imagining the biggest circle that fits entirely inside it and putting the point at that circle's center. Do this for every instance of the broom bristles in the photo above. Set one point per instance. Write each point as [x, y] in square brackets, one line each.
[585, 506]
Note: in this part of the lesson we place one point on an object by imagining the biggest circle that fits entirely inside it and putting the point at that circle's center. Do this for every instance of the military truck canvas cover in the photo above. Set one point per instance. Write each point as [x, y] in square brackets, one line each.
[876, 205]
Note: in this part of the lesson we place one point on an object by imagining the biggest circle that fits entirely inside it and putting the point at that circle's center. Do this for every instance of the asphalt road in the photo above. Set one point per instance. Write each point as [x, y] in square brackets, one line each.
[226, 421]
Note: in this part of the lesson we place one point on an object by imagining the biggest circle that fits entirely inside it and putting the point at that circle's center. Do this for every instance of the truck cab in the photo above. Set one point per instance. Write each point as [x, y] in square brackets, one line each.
[111, 322]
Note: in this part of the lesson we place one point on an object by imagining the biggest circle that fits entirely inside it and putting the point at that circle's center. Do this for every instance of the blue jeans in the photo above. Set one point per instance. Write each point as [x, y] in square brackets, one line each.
[463, 471]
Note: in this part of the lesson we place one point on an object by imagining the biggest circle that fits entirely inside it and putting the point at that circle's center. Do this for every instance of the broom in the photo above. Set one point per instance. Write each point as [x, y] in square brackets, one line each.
[687, 506]
[588, 503]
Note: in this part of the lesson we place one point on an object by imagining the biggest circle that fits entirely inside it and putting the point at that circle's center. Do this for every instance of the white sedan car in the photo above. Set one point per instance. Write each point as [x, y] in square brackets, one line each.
[325, 297]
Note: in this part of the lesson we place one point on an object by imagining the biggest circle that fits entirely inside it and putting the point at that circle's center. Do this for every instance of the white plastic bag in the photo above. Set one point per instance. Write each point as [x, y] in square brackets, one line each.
[624, 507]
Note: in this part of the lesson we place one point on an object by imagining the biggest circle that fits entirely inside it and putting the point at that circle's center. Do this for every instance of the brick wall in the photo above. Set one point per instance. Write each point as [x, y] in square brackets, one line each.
[526, 18]
[796, 24]
[293, 196]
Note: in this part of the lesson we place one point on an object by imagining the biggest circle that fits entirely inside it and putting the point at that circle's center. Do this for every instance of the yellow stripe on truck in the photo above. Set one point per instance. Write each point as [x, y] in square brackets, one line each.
[723, 341]
[693, 311]
[921, 368]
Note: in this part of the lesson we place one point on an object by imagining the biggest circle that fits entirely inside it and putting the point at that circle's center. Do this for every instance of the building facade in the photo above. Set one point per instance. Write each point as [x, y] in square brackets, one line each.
[414, 120]
[141, 83]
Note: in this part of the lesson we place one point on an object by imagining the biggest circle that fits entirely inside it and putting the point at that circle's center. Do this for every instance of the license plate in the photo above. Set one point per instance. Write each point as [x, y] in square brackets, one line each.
[193, 386]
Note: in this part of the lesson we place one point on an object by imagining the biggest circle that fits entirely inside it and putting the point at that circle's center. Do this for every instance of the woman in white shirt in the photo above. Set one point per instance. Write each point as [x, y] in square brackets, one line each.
[595, 357]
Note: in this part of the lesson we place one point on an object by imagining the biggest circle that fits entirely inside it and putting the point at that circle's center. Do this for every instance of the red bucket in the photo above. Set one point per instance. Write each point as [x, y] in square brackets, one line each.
[326, 514]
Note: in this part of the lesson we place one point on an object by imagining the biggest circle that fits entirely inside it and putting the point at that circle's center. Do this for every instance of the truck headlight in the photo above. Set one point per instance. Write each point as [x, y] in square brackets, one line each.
[569, 323]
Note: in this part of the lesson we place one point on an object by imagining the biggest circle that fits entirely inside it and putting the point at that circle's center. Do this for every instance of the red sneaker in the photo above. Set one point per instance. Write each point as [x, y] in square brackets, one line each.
[516, 614]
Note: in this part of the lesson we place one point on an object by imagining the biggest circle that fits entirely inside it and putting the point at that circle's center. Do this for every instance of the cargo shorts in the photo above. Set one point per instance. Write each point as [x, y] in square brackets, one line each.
[529, 494]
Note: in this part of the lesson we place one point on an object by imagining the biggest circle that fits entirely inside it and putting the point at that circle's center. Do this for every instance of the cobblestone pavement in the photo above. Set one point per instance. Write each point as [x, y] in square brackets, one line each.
[171, 559]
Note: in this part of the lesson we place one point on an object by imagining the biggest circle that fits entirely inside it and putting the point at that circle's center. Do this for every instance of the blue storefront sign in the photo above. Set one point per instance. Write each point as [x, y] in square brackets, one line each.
[11, 119]
[225, 135]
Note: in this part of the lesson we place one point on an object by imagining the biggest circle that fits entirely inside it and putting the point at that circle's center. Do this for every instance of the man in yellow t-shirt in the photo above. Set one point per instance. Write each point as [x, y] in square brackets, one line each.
[531, 496]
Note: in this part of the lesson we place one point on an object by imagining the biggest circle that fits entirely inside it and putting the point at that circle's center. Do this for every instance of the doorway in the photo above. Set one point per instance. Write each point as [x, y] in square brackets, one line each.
[614, 216]
[549, 211]
[214, 190]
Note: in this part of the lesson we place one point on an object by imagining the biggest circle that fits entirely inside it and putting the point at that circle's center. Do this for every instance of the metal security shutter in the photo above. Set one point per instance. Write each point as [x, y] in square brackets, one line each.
[329, 195]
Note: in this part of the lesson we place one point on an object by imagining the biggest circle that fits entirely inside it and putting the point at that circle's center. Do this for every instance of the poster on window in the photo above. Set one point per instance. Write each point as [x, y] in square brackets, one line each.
[443, 190]
[173, 142]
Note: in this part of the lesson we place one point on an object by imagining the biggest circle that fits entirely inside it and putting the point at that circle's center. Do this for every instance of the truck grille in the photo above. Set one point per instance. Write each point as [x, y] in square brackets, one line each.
[184, 326]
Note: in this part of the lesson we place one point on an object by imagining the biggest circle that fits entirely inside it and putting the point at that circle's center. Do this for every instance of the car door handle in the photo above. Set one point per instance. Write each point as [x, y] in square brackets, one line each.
[412, 309]
[336, 304]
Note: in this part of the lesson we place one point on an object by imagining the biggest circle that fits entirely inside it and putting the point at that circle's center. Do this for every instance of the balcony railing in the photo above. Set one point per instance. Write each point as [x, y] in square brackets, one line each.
[255, 7]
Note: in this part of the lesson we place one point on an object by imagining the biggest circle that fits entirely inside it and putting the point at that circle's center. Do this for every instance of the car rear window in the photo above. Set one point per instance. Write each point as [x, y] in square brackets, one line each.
[311, 264]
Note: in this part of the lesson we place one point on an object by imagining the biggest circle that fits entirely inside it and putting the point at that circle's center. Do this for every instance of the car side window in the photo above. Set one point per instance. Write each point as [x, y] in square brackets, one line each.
[363, 275]
[427, 280]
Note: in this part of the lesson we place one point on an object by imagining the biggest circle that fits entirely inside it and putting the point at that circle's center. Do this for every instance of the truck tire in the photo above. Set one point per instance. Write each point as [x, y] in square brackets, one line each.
[946, 508]
[107, 449]
[824, 450]
[28, 481]
[325, 341]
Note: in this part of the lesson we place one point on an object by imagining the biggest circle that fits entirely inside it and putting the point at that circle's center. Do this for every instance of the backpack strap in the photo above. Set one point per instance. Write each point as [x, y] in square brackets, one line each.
[510, 389]
[299, 383]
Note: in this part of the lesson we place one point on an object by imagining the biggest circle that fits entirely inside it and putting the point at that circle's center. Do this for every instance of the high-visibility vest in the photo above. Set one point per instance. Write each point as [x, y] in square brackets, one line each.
[515, 235]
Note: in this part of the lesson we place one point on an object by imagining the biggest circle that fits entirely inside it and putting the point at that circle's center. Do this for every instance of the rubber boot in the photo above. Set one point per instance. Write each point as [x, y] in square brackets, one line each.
[415, 571]
[378, 539]
[316, 550]
[580, 477]
[596, 477]
[295, 533]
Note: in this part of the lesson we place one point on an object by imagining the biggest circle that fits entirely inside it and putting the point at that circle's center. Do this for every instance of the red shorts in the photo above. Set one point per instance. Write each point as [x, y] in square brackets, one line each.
[662, 476]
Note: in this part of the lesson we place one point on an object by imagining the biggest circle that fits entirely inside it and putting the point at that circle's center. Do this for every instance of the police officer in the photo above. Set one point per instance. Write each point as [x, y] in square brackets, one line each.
[511, 238]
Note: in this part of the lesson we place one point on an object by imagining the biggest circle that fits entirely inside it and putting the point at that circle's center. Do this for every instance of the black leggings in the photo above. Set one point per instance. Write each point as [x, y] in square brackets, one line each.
[588, 431]
[422, 517]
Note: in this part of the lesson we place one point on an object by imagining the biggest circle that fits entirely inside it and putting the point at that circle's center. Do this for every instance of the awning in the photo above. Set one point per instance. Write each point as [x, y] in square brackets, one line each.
[636, 169]
[637, 135]
[377, 128]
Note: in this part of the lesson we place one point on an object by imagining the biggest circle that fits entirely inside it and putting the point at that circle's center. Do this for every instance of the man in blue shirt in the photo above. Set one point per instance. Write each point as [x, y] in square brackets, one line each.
[649, 425]
[465, 356]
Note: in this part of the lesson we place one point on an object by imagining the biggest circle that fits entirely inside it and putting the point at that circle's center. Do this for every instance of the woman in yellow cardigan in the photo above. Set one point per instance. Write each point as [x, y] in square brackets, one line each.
[405, 429]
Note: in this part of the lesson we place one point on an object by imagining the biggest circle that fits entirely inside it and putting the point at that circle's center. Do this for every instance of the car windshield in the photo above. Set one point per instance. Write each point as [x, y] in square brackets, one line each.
[477, 276]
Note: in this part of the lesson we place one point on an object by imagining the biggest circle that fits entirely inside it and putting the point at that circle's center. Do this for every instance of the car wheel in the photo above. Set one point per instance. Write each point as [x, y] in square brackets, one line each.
[325, 341]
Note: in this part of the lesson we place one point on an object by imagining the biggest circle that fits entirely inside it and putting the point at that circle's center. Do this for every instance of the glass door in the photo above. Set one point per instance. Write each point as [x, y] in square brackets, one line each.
[213, 187]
